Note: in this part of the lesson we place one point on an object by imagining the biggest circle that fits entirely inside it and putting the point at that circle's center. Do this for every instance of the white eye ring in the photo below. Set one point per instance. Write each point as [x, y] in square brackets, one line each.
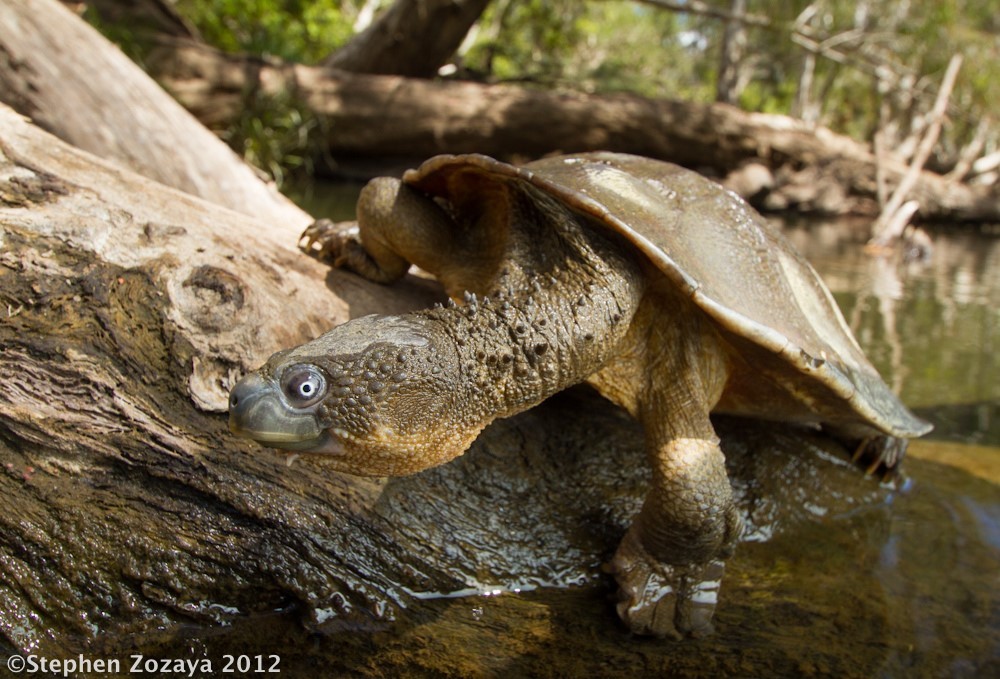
[303, 385]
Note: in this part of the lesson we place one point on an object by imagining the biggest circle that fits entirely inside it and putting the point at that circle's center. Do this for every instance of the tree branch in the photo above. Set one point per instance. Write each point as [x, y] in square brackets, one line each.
[881, 234]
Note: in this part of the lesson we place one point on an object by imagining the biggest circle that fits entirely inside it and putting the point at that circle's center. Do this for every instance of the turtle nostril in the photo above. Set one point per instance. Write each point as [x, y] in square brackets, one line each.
[242, 396]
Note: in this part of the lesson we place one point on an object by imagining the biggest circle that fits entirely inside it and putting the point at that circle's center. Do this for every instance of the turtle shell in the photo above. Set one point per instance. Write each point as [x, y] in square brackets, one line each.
[742, 272]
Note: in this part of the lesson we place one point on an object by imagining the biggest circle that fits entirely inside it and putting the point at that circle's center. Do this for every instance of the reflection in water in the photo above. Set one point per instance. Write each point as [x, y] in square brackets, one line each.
[931, 328]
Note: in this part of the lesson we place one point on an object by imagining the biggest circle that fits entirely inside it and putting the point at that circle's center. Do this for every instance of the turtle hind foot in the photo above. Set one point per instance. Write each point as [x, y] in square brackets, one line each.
[340, 244]
[664, 600]
[879, 456]
[329, 240]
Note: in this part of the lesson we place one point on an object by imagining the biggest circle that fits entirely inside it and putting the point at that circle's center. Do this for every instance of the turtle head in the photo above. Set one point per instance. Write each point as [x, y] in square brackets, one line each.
[373, 397]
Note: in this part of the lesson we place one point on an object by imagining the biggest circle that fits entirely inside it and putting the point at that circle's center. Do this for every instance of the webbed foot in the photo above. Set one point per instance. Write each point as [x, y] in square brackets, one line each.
[664, 600]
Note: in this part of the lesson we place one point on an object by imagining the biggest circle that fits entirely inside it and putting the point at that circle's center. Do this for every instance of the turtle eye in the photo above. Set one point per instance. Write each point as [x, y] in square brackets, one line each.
[303, 385]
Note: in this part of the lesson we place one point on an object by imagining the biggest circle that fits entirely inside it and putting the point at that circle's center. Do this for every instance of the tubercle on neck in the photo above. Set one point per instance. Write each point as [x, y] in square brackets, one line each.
[515, 350]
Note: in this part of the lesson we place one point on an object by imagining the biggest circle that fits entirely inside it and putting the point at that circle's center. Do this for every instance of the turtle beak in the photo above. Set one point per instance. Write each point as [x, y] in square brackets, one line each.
[257, 411]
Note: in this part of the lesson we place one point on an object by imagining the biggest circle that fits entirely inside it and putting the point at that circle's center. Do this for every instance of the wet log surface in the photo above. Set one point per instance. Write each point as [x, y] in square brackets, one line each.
[132, 522]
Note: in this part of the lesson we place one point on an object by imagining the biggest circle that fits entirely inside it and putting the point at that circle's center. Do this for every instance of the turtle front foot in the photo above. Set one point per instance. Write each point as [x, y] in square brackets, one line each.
[664, 600]
[332, 241]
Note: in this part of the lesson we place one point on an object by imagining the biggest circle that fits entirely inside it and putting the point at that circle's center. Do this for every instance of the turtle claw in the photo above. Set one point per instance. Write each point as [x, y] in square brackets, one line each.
[664, 600]
[879, 455]
[332, 241]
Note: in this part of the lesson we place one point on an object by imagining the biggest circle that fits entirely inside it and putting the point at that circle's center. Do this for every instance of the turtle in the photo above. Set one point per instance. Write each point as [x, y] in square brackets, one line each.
[658, 287]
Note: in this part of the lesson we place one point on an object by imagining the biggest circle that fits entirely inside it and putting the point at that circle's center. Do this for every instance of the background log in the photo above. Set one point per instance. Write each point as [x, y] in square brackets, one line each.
[386, 119]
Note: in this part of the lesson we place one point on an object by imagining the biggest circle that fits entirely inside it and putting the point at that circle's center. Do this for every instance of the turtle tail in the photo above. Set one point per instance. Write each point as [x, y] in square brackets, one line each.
[879, 455]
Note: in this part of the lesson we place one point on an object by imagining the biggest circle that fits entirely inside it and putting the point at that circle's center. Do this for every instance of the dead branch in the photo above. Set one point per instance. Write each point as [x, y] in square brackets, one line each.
[881, 235]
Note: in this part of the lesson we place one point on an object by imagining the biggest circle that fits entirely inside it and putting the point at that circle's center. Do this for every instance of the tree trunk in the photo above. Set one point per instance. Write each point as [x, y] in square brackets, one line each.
[77, 85]
[729, 84]
[412, 38]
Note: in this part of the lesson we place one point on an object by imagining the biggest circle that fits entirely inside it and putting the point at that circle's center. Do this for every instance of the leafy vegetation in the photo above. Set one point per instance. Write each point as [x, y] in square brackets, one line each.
[296, 30]
[273, 134]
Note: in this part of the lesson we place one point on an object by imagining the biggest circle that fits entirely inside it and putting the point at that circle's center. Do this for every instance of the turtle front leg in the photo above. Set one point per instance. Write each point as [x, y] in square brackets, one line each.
[669, 565]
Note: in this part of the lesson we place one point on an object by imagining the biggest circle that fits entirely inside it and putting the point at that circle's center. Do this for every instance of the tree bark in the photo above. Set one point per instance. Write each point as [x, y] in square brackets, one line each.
[412, 38]
[128, 310]
[729, 82]
[74, 83]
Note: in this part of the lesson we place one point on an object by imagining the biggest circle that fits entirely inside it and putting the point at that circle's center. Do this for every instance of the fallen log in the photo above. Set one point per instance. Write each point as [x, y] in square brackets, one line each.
[392, 117]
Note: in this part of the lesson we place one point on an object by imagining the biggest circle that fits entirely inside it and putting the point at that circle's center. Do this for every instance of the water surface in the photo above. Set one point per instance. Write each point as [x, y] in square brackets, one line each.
[931, 327]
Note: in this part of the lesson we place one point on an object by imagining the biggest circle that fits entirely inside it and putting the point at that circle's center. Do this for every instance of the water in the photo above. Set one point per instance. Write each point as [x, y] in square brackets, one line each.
[842, 577]
[931, 328]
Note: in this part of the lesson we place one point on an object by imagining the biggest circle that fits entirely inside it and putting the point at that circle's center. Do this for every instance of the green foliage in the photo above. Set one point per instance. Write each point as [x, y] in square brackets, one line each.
[274, 133]
[527, 40]
[613, 45]
[934, 31]
[597, 46]
[296, 30]
[909, 43]
[127, 38]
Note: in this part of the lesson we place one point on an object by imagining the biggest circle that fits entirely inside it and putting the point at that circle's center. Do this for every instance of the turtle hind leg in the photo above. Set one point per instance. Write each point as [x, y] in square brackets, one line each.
[396, 226]
[664, 600]
[340, 243]
[669, 565]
